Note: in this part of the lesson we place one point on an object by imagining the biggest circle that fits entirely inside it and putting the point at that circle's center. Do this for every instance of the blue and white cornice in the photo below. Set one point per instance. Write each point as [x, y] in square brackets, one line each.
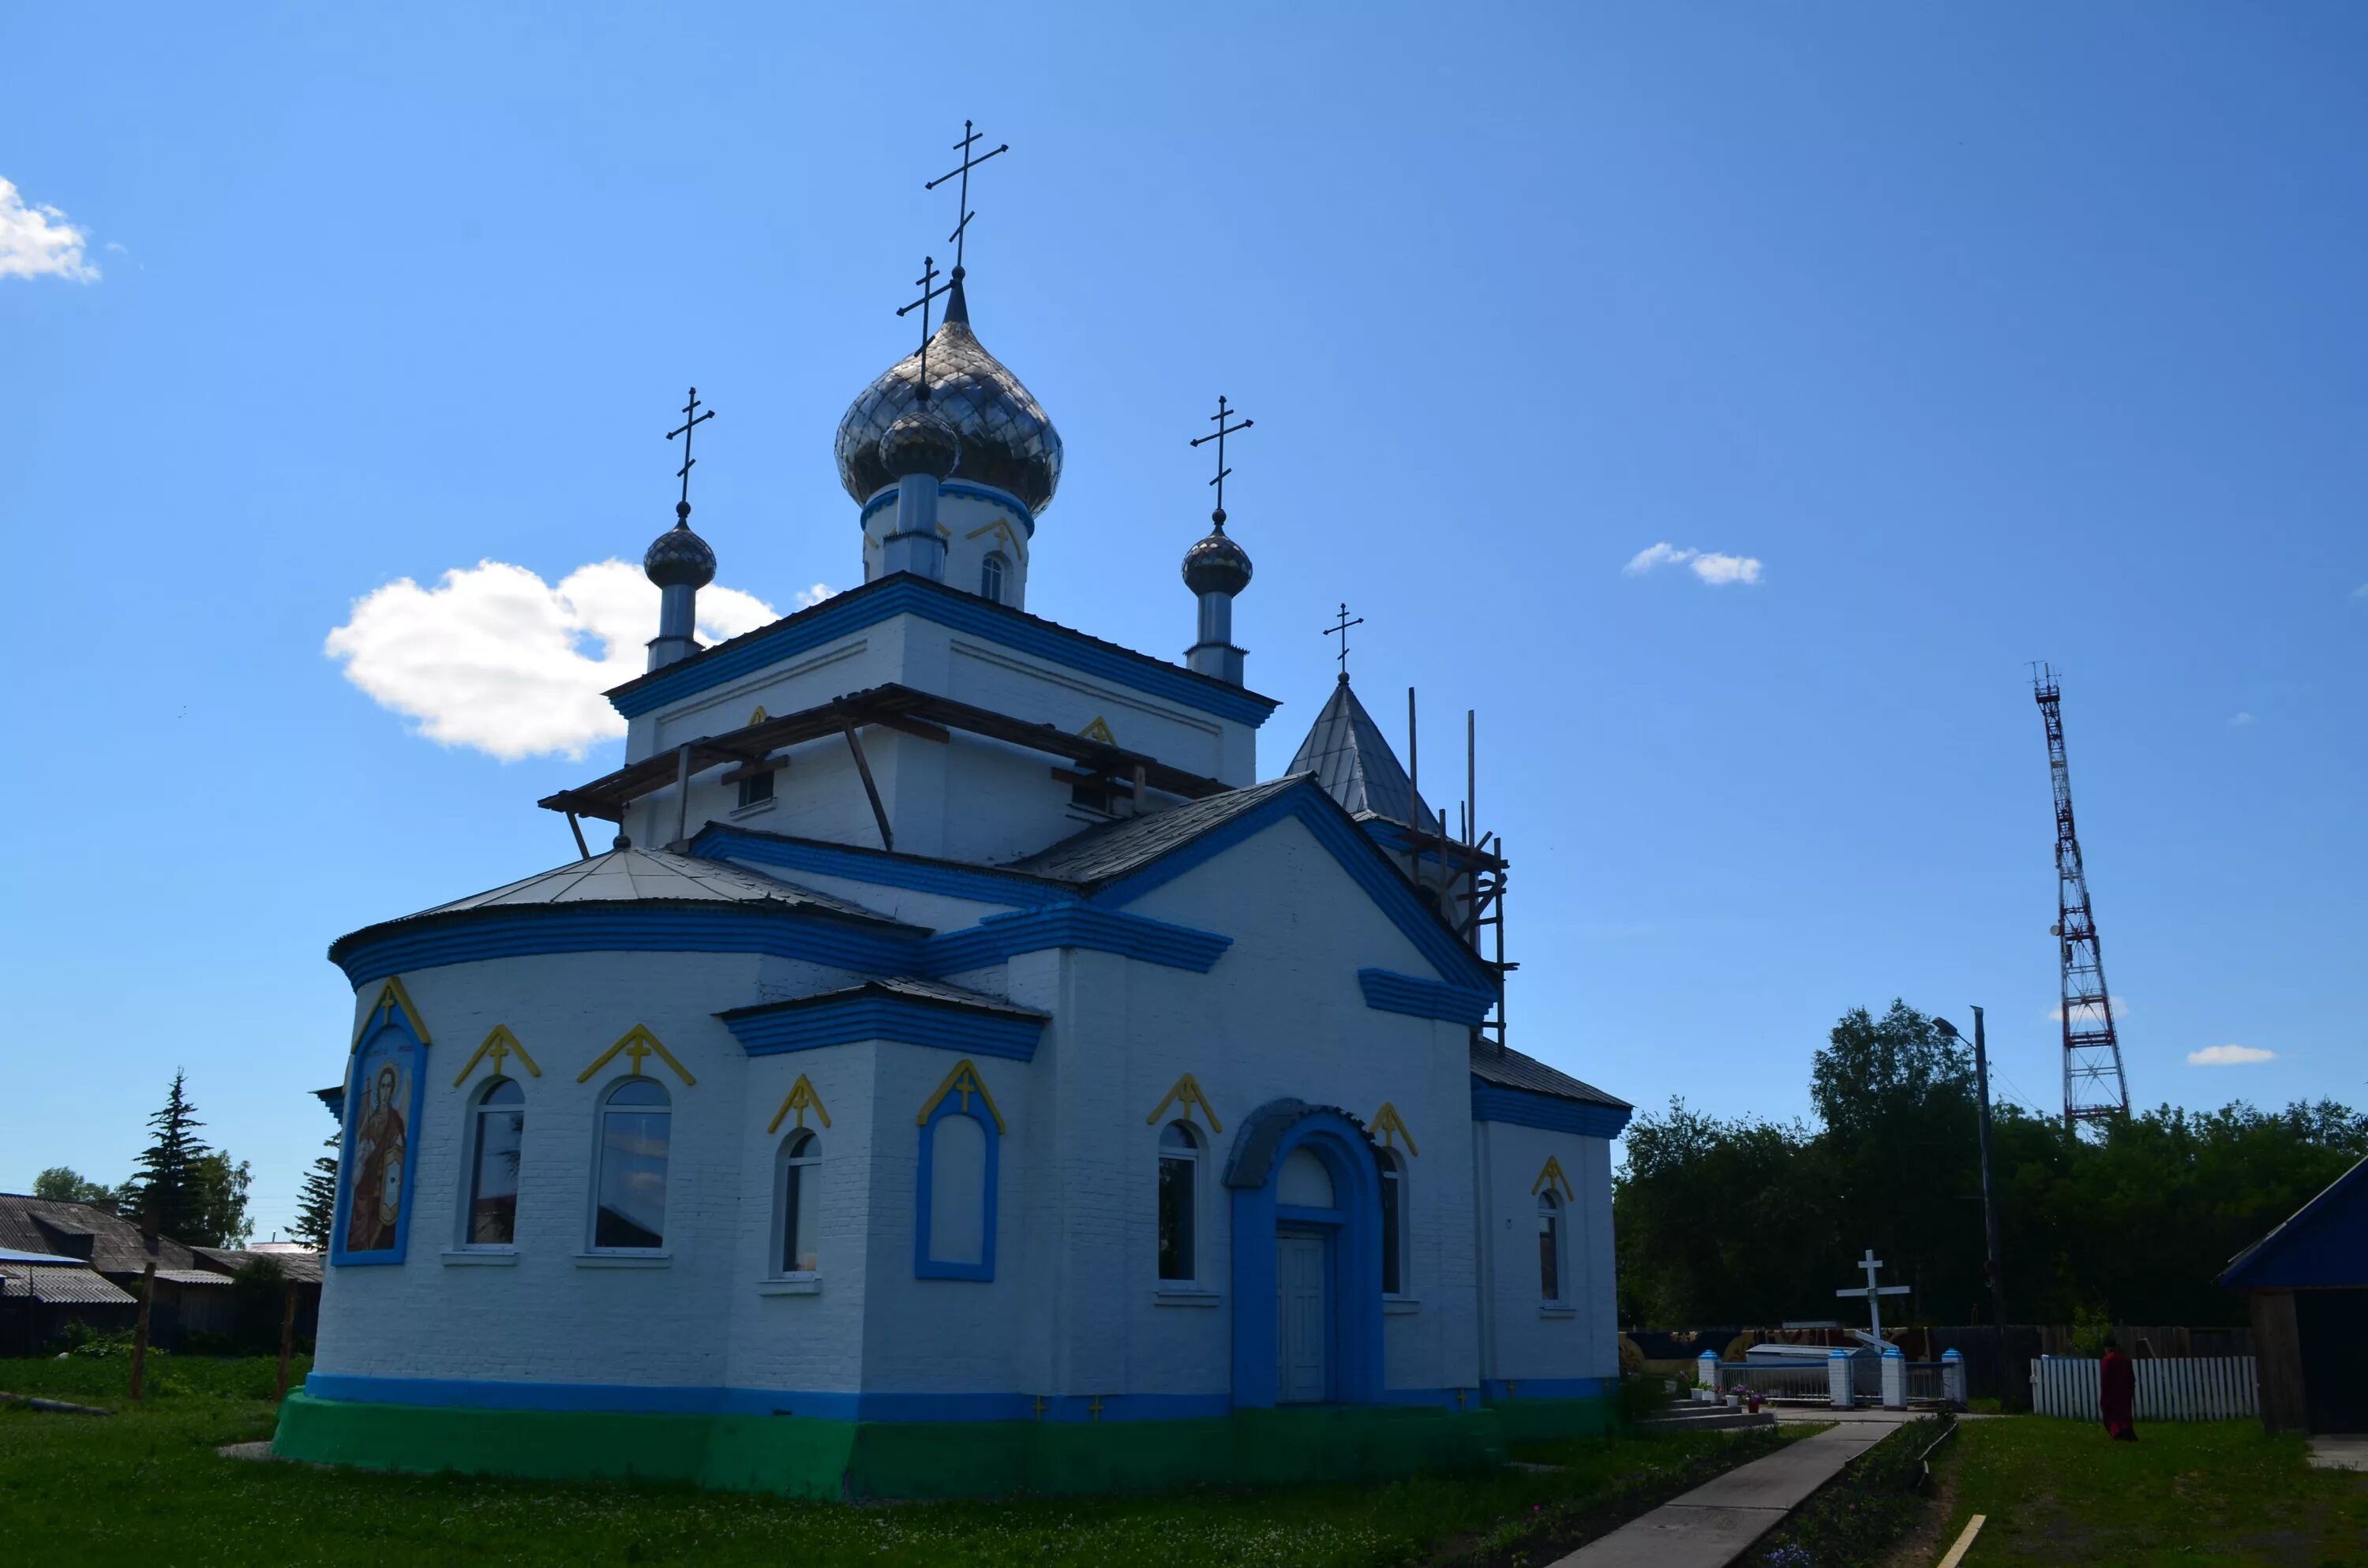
[904, 594]
[914, 1013]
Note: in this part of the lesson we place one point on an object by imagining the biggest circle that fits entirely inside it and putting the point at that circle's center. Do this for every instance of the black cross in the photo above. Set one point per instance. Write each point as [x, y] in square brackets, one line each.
[929, 276]
[1341, 631]
[1219, 435]
[691, 419]
[970, 137]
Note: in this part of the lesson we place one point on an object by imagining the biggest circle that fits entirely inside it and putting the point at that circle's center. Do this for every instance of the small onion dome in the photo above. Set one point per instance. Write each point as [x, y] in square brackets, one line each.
[1008, 440]
[922, 442]
[679, 558]
[1216, 564]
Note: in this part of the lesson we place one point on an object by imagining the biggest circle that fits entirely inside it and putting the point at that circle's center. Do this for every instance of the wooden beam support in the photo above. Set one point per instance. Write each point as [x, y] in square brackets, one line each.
[583, 850]
[870, 789]
[682, 794]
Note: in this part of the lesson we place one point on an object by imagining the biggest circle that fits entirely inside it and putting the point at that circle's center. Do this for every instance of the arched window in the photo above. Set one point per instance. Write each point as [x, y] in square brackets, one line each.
[990, 576]
[497, 1137]
[1179, 1202]
[962, 1138]
[797, 1200]
[1394, 1222]
[1550, 1245]
[636, 1136]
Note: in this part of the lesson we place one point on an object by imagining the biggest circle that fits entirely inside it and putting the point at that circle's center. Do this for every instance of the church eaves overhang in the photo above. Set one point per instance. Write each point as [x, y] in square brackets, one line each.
[904, 594]
[902, 1008]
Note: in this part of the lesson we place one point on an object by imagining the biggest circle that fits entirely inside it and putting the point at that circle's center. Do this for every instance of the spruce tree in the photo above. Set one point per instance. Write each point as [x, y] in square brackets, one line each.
[167, 1181]
[318, 1213]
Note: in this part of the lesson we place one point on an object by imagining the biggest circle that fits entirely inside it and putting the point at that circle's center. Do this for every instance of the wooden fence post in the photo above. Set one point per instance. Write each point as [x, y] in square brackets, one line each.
[287, 1330]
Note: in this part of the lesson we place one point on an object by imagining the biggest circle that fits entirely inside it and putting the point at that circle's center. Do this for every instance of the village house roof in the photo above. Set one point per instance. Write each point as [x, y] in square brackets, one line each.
[111, 1243]
[70, 1283]
[2324, 1243]
[299, 1267]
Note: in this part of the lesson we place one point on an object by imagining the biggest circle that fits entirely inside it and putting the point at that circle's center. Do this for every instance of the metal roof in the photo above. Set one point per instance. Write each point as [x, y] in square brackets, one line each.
[2322, 1243]
[1345, 750]
[55, 1286]
[934, 991]
[1508, 1069]
[1113, 850]
[301, 1267]
[31, 1224]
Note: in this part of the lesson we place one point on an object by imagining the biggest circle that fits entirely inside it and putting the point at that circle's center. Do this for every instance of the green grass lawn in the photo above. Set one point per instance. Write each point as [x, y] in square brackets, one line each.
[2204, 1493]
[146, 1486]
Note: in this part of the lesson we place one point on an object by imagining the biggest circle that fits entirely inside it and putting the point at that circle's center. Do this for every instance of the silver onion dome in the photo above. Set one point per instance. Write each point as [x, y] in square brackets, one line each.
[679, 558]
[922, 442]
[1216, 564]
[1007, 439]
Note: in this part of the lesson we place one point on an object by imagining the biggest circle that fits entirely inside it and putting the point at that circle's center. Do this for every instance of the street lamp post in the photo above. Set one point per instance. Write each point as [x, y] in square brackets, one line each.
[1992, 1265]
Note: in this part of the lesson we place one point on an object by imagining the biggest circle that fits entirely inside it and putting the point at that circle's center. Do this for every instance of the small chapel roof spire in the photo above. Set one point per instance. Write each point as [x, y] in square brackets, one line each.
[679, 558]
[958, 308]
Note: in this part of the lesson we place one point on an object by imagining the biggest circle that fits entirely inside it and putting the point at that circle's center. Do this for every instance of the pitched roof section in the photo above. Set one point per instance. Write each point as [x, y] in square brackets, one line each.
[904, 987]
[2322, 1243]
[40, 1224]
[58, 1285]
[1508, 1069]
[1345, 750]
[1112, 851]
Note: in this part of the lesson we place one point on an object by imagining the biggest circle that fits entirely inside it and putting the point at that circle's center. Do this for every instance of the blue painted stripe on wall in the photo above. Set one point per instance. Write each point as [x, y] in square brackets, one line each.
[957, 611]
[988, 493]
[1423, 998]
[719, 842]
[1333, 829]
[472, 1393]
[522, 933]
[1544, 1112]
[888, 1017]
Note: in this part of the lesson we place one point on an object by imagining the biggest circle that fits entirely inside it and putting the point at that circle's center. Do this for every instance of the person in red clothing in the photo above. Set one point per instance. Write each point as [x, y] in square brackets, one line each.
[2117, 1390]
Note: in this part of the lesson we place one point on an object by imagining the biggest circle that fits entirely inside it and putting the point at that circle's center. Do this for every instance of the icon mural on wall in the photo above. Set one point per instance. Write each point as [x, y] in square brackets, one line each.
[382, 1108]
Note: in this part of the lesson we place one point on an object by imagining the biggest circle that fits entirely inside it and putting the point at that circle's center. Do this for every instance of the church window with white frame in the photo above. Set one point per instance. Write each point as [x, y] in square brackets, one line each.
[1394, 1222]
[1179, 1203]
[1550, 1246]
[497, 1133]
[797, 1204]
[990, 576]
[636, 1141]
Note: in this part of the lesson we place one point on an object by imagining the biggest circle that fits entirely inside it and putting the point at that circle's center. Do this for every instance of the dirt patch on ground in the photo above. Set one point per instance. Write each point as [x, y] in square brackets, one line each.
[1932, 1536]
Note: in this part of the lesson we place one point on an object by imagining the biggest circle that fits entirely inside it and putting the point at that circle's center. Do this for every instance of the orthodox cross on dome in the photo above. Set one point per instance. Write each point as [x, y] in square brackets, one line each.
[1874, 1293]
[1218, 436]
[1340, 629]
[929, 276]
[970, 137]
[691, 420]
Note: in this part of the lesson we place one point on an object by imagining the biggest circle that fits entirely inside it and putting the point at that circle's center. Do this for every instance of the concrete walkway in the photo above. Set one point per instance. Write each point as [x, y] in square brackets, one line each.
[1716, 1522]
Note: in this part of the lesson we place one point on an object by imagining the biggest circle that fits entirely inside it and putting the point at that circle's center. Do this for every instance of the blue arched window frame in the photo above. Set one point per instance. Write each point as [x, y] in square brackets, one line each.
[955, 1096]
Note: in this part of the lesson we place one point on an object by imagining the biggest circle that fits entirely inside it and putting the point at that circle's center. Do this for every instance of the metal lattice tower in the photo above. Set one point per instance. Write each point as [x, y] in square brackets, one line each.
[2094, 1088]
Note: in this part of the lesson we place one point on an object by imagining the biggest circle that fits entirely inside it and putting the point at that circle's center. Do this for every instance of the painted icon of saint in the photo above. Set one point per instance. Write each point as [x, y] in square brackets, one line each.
[378, 1147]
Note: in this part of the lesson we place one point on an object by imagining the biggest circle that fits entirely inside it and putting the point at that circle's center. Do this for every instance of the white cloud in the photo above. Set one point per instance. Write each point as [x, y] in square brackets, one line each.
[494, 658]
[2092, 1015]
[1711, 567]
[2228, 1055]
[806, 598]
[2360, 592]
[37, 242]
[2241, 720]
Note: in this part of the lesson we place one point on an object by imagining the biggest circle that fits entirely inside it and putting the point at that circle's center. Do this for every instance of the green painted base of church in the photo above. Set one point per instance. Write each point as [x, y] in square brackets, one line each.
[1537, 1420]
[805, 1457]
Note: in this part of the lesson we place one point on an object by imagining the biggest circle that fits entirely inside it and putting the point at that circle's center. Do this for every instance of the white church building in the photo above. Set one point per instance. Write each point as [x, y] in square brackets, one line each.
[962, 1074]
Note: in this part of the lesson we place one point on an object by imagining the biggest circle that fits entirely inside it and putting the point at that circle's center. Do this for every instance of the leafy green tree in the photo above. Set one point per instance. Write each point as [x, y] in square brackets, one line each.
[63, 1184]
[167, 1183]
[318, 1213]
[222, 1189]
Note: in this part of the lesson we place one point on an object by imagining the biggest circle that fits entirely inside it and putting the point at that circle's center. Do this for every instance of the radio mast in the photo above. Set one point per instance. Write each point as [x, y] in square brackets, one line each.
[2094, 1089]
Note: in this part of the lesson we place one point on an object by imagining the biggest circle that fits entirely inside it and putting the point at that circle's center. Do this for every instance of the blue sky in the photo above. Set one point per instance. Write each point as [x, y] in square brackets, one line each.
[1989, 334]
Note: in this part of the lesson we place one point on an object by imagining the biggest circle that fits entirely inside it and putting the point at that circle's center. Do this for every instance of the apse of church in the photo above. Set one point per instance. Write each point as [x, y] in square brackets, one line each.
[942, 1028]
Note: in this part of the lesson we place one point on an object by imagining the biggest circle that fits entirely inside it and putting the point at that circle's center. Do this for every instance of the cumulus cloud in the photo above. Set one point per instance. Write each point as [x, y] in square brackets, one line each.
[2228, 1055]
[806, 598]
[38, 242]
[1711, 567]
[494, 658]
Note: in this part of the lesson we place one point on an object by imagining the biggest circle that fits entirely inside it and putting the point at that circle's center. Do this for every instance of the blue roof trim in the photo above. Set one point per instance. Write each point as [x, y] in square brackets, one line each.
[1545, 1112]
[1424, 998]
[890, 596]
[944, 1026]
[879, 867]
[998, 936]
[1365, 864]
[886, 496]
[527, 932]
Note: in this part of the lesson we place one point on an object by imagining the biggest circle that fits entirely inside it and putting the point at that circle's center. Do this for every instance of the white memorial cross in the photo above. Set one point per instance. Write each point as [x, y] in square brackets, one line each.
[1874, 1293]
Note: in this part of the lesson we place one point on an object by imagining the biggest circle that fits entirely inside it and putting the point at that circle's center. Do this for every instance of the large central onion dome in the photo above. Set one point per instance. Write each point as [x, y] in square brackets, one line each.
[1007, 439]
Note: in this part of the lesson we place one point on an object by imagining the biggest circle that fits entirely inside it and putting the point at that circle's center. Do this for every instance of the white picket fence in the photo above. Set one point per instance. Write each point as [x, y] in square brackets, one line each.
[2200, 1388]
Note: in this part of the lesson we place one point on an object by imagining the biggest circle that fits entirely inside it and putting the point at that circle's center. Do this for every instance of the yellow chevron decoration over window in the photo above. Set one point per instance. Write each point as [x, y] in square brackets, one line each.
[802, 1098]
[1550, 1175]
[1388, 1124]
[1099, 729]
[639, 1044]
[1184, 1097]
[963, 1081]
[500, 1045]
[391, 998]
